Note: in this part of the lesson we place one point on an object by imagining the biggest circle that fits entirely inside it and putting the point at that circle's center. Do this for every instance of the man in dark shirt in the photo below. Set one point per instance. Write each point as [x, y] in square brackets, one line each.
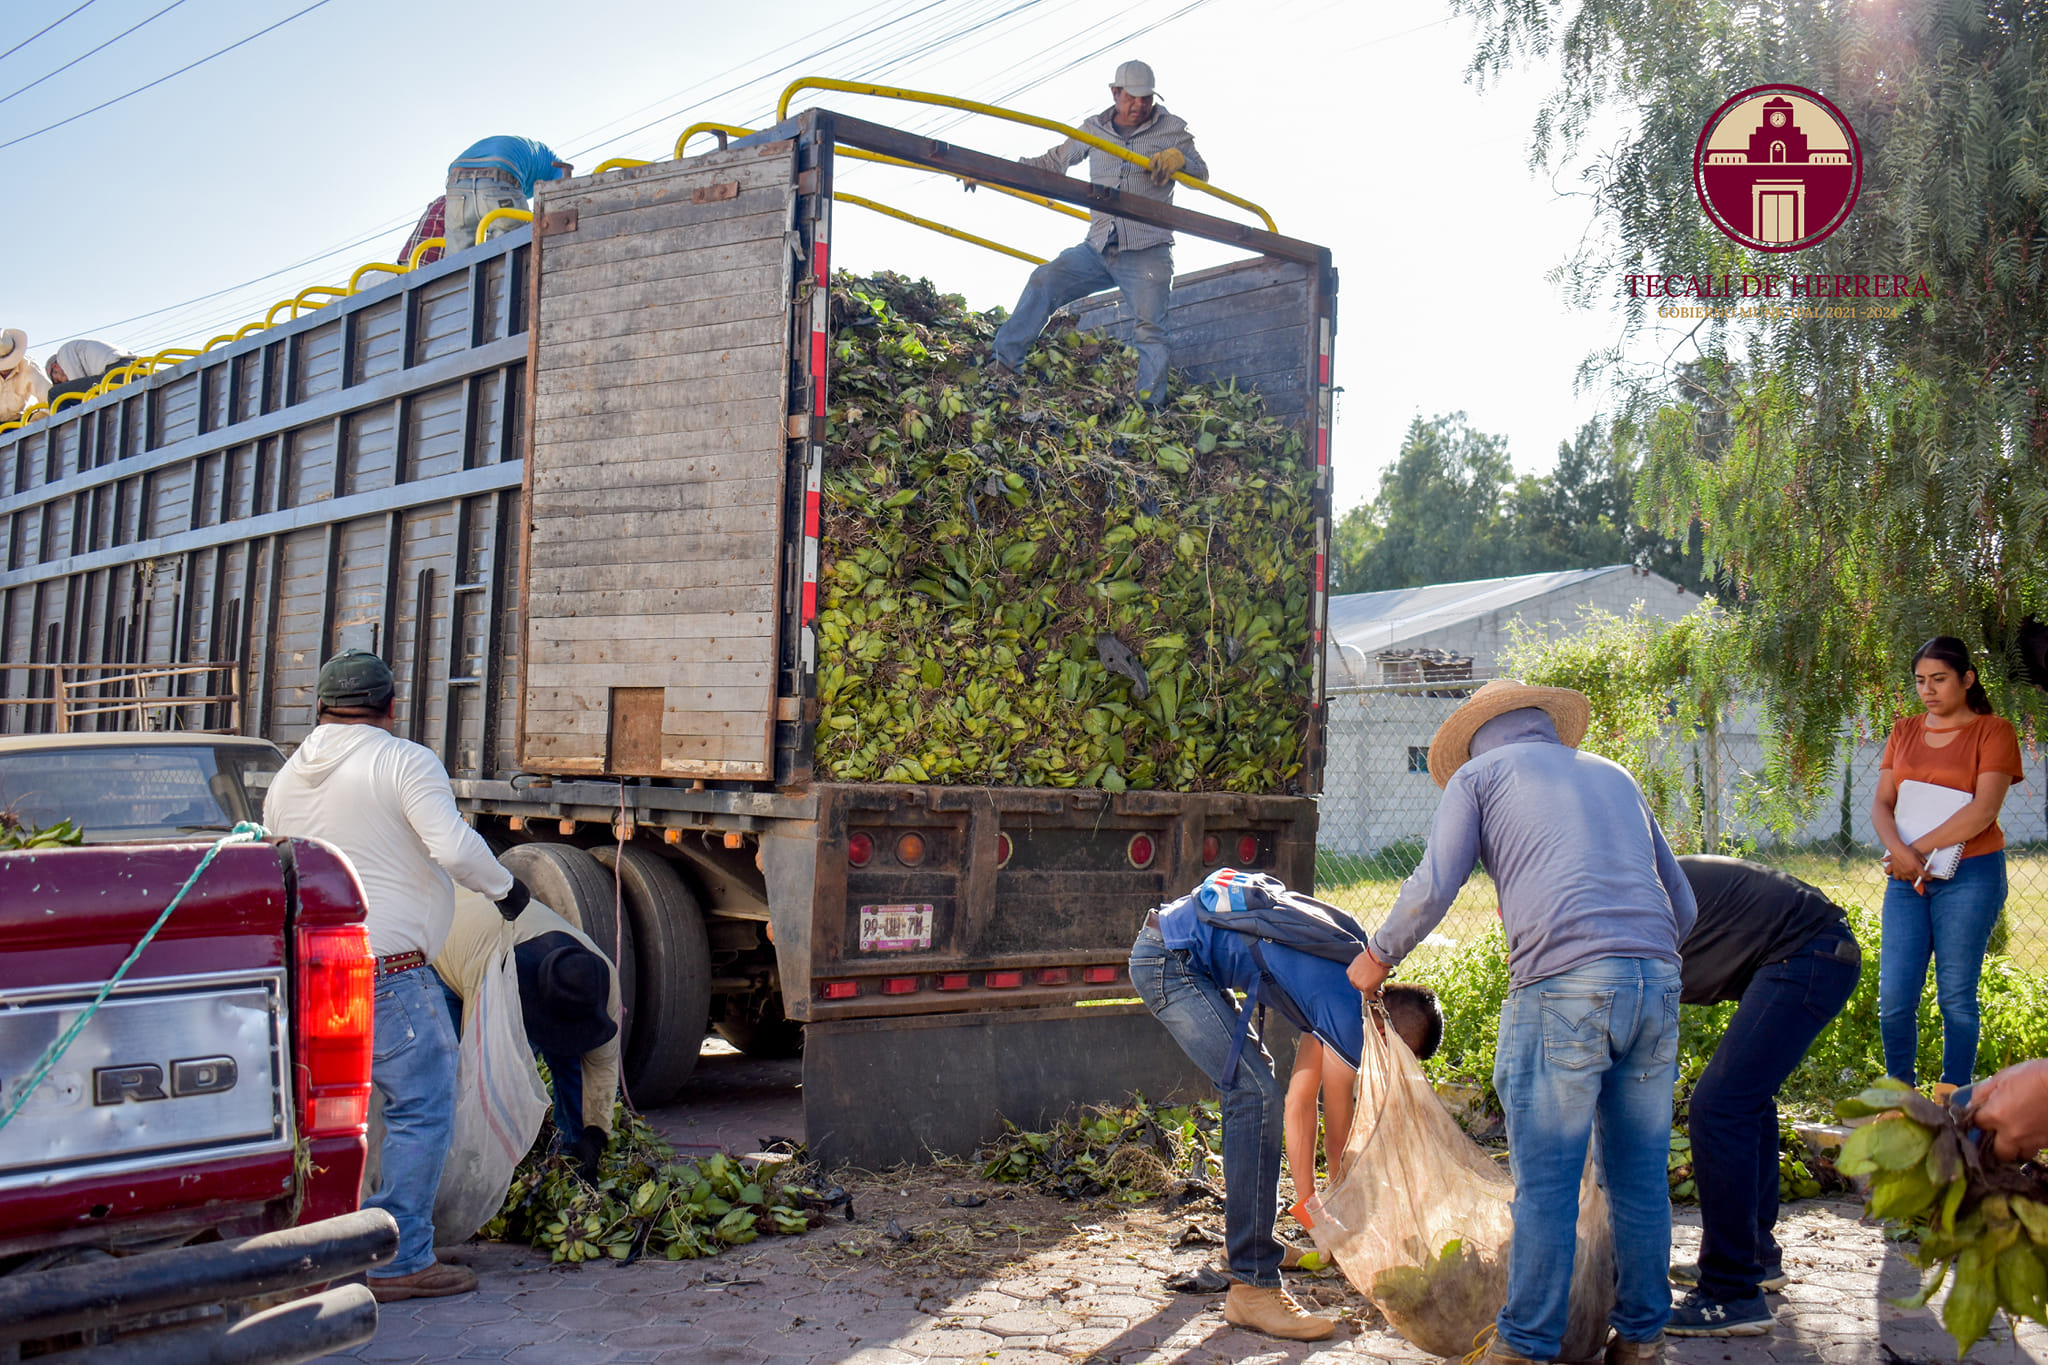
[1785, 951]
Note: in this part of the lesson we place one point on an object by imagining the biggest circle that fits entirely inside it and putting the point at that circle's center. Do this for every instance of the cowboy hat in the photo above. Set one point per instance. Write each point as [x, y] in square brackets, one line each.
[1452, 745]
[564, 995]
[13, 348]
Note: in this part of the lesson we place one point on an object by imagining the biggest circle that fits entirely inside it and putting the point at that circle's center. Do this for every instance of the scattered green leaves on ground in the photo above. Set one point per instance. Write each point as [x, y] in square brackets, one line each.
[1982, 1223]
[647, 1203]
[1039, 581]
[1132, 1152]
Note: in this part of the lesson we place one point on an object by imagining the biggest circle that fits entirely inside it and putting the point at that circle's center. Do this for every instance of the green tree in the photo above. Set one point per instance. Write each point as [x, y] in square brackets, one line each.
[1439, 514]
[1859, 483]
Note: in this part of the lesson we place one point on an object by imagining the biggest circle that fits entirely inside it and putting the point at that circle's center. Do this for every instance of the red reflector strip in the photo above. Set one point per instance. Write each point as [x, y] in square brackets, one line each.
[818, 371]
[821, 253]
[953, 981]
[1054, 976]
[839, 990]
[1003, 981]
[898, 985]
[1096, 976]
[1322, 566]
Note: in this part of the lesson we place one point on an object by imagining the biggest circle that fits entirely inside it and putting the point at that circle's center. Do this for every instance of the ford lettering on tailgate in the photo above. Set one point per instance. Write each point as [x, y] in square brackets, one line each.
[194, 1066]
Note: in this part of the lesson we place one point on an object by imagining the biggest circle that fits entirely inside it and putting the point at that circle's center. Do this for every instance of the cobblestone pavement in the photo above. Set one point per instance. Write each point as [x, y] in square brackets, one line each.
[1041, 1282]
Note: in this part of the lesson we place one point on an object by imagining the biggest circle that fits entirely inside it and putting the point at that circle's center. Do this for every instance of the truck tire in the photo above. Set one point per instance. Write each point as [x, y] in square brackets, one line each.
[760, 1030]
[575, 886]
[675, 974]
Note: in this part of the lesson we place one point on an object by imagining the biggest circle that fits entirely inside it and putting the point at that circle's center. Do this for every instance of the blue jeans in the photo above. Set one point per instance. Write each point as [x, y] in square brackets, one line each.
[1952, 924]
[565, 1076]
[1203, 1019]
[1591, 1049]
[1734, 1113]
[471, 195]
[1146, 278]
[413, 1068]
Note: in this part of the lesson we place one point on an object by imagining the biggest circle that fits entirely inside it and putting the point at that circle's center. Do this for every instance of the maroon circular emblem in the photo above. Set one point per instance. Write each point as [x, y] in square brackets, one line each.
[1777, 168]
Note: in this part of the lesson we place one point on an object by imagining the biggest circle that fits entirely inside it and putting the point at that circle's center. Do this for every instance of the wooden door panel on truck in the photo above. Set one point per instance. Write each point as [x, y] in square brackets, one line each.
[660, 374]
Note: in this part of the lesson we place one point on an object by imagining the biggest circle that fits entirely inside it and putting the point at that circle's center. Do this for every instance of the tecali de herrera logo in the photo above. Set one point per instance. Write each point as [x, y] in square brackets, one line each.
[1777, 168]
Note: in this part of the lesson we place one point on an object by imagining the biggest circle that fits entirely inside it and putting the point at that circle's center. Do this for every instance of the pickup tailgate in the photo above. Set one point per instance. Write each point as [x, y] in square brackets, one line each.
[171, 1109]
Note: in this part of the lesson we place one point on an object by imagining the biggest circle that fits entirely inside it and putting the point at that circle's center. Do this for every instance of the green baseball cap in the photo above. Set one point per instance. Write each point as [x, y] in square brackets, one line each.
[355, 680]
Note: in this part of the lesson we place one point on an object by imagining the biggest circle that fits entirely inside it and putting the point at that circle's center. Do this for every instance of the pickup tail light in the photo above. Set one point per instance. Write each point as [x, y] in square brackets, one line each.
[335, 1021]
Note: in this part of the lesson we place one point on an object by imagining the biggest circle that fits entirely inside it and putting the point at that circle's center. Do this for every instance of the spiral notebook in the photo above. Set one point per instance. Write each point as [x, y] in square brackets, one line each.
[1921, 808]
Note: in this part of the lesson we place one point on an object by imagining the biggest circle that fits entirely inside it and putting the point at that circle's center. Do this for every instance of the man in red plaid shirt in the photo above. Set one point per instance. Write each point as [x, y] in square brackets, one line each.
[433, 223]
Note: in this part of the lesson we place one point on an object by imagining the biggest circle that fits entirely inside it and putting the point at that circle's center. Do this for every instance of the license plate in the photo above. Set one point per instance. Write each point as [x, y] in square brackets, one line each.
[895, 928]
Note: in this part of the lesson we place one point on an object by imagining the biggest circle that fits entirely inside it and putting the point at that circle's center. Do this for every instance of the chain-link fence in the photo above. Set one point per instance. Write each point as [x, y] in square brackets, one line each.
[1379, 800]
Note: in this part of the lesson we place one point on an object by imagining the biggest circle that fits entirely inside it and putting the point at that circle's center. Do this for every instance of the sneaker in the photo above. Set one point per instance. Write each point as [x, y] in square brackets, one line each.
[1274, 1312]
[1696, 1315]
[1688, 1276]
[1621, 1352]
[437, 1281]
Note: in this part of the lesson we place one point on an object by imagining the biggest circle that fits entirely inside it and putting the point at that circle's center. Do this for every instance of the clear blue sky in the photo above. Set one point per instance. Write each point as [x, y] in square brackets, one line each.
[311, 149]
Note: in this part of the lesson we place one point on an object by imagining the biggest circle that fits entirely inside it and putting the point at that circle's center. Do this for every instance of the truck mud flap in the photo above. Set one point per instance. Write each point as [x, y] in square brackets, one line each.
[878, 1092]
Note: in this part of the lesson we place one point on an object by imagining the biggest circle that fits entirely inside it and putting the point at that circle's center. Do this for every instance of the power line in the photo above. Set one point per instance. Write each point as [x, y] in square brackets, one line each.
[108, 104]
[44, 29]
[89, 52]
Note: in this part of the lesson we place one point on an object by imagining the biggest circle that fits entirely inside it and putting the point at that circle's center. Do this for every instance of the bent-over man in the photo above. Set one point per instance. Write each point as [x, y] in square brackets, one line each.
[1595, 907]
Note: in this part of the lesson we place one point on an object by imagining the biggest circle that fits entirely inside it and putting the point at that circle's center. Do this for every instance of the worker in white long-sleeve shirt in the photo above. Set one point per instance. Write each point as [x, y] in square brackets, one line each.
[385, 802]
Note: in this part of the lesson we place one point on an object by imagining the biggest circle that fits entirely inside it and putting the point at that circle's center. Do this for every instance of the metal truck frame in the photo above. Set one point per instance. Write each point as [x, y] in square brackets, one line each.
[567, 483]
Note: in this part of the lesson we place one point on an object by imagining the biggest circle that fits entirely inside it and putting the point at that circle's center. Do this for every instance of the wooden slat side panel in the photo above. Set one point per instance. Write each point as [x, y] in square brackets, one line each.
[444, 317]
[309, 464]
[433, 443]
[359, 584]
[370, 451]
[319, 368]
[379, 330]
[426, 544]
[178, 410]
[294, 666]
[661, 380]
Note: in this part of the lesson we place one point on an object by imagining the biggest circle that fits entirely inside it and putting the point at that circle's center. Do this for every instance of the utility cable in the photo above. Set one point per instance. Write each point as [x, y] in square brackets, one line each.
[90, 51]
[44, 29]
[189, 66]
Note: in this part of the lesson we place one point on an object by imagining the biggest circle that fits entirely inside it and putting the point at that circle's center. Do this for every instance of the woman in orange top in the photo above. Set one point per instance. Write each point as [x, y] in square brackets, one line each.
[1958, 743]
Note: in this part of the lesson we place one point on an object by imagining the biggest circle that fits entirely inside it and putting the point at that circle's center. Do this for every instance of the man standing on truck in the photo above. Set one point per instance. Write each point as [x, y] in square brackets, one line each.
[1136, 258]
[1595, 907]
[497, 173]
[386, 804]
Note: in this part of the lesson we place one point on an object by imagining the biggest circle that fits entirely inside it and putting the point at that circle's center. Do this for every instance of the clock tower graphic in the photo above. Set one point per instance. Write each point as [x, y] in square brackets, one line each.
[1777, 168]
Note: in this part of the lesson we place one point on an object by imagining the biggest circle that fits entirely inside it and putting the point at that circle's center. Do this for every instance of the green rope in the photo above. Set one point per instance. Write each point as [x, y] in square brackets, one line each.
[246, 832]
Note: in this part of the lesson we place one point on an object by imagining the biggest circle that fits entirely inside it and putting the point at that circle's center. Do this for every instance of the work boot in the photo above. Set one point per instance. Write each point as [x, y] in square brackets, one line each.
[437, 1281]
[1275, 1313]
[1621, 1352]
[1942, 1091]
[1498, 1352]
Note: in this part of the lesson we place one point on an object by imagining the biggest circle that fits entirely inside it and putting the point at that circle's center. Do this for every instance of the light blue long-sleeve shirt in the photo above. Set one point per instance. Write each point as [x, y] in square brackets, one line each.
[1582, 869]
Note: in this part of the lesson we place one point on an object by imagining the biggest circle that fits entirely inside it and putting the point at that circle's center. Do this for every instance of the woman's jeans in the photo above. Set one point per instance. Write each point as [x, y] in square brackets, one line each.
[1952, 924]
[1734, 1112]
[1594, 1049]
[412, 1066]
[1203, 1019]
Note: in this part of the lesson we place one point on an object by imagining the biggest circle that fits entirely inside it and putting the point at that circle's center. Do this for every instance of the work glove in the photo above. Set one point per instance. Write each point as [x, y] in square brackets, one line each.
[1166, 164]
[514, 901]
[588, 1152]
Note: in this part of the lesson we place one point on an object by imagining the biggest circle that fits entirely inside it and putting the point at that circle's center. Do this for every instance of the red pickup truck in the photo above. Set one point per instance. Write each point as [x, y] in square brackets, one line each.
[220, 1090]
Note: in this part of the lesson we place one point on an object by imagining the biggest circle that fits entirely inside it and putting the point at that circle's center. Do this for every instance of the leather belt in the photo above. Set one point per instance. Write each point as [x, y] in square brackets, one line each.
[401, 962]
[492, 172]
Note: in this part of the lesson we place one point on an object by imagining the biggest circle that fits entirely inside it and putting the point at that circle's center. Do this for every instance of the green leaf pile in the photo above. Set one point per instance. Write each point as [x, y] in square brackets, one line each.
[1446, 1301]
[646, 1203]
[1985, 1222]
[16, 835]
[1038, 581]
[1132, 1153]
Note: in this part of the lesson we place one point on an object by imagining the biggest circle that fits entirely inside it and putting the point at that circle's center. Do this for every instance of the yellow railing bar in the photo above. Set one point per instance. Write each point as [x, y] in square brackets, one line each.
[891, 92]
[514, 215]
[355, 281]
[333, 292]
[427, 244]
[938, 227]
[270, 318]
[857, 154]
[620, 163]
[75, 396]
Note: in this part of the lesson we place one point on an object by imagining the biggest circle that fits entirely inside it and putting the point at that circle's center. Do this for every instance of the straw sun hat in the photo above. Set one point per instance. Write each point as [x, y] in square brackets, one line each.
[1452, 745]
[13, 349]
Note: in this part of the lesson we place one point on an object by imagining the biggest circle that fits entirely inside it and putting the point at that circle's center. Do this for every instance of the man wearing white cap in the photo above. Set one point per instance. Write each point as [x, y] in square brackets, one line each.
[1595, 907]
[1136, 258]
[22, 381]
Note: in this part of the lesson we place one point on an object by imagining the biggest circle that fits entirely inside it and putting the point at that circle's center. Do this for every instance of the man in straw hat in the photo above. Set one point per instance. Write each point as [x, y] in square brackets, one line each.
[1595, 907]
[22, 382]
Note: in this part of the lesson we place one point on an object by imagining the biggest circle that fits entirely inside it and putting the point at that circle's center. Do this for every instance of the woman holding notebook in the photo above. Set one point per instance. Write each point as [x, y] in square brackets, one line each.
[1939, 786]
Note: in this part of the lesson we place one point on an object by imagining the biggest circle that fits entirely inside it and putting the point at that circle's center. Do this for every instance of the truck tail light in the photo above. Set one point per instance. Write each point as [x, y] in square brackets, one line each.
[952, 981]
[898, 985]
[1212, 850]
[839, 990]
[336, 1015]
[1053, 976]
[1003, 981]
[1248, 849]
[1004, 848]
[1098, 976]
[860, 849]
[1140, 850]
[910, 850]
